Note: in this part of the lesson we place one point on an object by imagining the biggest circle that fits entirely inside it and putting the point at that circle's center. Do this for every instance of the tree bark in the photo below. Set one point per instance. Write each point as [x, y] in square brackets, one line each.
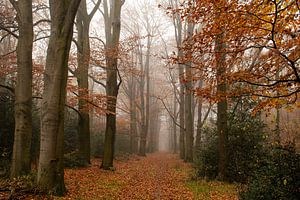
[181, 115]
[23, 92]
[189, 122]
[199, 124]
[81, 73]
[174, 124]
[145, 128]
[178, 35]
[133, 117]
[50, 177]
[112, 29]
[222, 118]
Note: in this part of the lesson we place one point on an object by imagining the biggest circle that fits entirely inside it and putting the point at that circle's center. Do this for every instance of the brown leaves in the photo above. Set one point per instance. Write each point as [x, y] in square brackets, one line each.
[157, 176]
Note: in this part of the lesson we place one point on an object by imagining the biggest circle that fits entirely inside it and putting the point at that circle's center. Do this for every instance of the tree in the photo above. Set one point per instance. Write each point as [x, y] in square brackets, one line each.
[112, 35]
[189, 119]
[83, 60]
[50, 167]
[177, 22]
[145, 105]
[21, 161]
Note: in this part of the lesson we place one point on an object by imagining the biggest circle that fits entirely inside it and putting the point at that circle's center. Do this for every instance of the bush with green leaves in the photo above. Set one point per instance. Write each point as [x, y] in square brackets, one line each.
[277, 177]
[245, 148]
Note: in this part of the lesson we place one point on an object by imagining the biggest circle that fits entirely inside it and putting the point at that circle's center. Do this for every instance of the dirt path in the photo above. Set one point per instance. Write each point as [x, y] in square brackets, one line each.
[157, 176]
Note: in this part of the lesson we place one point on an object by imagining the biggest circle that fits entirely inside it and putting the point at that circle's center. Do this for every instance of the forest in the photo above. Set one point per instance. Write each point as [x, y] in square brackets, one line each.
[150, 99]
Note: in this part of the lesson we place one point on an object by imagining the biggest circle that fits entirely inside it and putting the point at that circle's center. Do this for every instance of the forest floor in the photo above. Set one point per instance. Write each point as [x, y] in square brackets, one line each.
[158, 176]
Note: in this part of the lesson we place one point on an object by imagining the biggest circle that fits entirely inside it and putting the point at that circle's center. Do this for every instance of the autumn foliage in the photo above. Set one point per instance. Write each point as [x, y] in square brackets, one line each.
[260, 40]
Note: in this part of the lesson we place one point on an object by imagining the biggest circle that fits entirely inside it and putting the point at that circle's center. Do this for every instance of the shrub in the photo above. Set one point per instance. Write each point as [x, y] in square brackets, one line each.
[277, 177]
[206, 163]
[73, 159]
[245, 148]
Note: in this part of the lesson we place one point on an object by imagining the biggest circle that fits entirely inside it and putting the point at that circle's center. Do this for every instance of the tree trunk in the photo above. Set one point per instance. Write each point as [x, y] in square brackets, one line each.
[133, 117]
[145, 126]
[50, 169]
[189, 122]
[174, 125]
[178, 33]
[83, 60]
[222, 126]
[199, 125]
[23, 92]
[189, 133]
[112, 28]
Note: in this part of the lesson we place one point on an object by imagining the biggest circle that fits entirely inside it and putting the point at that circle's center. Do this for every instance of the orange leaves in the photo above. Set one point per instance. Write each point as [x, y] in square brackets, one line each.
[157, 176]
[260, 41]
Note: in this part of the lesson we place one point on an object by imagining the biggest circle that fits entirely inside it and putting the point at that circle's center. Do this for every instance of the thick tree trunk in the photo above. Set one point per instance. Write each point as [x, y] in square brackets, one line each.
[50, 169]
[23, 92]
[112, 28]
[83, 60]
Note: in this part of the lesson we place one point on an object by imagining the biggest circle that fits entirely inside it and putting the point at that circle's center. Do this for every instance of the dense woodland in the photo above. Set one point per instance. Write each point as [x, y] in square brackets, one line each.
[101, 86]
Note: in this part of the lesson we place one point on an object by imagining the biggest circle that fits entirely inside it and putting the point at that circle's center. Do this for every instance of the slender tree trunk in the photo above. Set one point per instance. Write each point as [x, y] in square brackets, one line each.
[143, 141]
[145, 104]
[178, 34]
[133, 117]
[277, 125]
[50, 169]
[189, 137]
[222, 126]
[189, 122]
[181, 115]
[23, 92]
[112, 28]
[174, 125]
[277, 128]
[199, 124]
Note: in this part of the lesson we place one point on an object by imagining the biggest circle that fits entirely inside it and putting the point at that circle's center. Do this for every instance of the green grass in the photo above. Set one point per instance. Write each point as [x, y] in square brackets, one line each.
[212, 190]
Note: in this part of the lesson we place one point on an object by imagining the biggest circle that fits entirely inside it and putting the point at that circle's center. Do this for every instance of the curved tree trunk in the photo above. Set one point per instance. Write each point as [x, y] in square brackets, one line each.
[23, 92]
[50, 169]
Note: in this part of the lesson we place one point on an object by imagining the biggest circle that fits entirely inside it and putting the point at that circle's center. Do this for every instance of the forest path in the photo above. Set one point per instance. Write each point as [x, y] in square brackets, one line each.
[157, 176]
